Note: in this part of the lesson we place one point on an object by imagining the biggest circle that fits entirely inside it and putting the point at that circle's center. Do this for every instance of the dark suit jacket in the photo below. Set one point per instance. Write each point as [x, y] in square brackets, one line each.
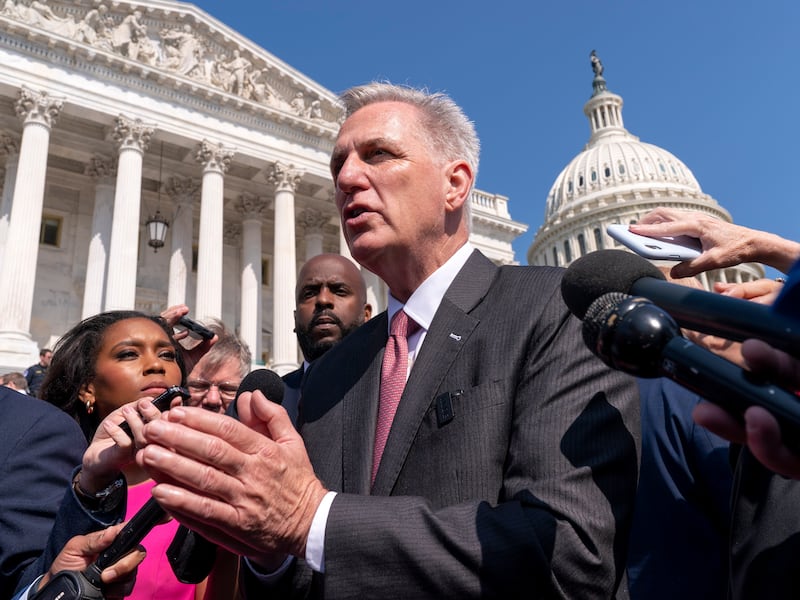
[526, 491]
[291, 392]
[40, 446]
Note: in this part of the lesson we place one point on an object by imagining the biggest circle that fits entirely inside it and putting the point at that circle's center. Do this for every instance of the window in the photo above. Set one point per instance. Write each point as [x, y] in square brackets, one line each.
[581, 244]
[567, 251]
[555, 256]
[194, 259]
[594, 175]
[607, 171]
[621, 168]
[50, 231]
[598, 239]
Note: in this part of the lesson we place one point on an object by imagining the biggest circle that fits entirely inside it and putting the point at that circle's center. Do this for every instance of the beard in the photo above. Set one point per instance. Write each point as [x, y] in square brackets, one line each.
[312, 349]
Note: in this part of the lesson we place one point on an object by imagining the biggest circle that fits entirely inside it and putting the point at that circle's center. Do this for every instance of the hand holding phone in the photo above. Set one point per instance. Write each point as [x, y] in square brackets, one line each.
[162, 402]
[677, 248]
[195, 329]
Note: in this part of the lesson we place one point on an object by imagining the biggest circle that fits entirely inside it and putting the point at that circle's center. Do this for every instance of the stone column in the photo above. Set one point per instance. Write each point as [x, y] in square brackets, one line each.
[215, 159]
[252, 209]
[103, 171]
[284, 342]
[183, 192]
[38, 112]
[344, 249]
[132, 138]
[313, 222]
[9, 147]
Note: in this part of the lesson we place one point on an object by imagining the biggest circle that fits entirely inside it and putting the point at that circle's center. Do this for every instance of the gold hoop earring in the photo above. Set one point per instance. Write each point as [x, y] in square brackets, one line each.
[89, 407]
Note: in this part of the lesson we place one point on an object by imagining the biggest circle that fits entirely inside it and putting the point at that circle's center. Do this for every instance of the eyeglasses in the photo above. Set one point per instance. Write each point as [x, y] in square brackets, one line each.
[198, 387]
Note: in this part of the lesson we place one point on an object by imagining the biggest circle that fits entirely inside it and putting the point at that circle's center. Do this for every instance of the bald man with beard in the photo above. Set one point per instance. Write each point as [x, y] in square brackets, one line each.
[330, 303]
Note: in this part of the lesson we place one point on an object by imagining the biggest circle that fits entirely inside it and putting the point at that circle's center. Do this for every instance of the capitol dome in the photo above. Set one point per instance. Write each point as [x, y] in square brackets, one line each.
[616, 179]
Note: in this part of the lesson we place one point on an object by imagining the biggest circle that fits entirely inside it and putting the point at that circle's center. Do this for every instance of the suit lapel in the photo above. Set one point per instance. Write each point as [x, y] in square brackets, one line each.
[360, 412]
[450, 329]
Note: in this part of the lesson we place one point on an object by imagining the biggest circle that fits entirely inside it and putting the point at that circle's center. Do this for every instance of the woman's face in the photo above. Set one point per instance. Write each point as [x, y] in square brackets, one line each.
[136, 360]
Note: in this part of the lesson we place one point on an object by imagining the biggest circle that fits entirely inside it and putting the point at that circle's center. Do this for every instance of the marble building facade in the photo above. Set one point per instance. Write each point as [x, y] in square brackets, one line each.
[111, 113]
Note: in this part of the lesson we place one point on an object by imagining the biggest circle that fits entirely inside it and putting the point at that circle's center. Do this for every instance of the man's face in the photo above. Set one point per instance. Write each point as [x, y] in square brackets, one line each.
[330, 304]
[45, 359]
[390, 189]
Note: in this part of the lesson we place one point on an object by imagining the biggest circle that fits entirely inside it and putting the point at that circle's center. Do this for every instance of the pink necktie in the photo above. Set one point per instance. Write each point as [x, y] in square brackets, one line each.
[393, 380]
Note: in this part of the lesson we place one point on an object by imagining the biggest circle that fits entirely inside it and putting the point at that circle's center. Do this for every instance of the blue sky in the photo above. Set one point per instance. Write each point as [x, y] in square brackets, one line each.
[714, 82]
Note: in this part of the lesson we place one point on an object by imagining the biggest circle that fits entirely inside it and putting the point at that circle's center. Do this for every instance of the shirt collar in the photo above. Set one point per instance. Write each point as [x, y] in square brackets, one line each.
[425, 301]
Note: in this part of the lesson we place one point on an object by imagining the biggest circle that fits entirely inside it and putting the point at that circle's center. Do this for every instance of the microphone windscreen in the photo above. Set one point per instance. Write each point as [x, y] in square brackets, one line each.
[601, 272]
[267, 382]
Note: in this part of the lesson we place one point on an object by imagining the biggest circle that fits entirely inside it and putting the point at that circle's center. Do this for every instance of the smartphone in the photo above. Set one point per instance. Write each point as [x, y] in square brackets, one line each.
[162, 402]
[195, 329]
[678, 248]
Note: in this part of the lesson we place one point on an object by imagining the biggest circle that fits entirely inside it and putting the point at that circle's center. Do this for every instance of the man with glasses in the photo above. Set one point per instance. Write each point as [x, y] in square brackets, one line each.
[214, 379]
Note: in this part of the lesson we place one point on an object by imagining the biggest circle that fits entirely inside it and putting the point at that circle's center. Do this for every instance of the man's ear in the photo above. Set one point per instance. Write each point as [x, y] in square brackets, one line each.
[459, 178]
[367, 311]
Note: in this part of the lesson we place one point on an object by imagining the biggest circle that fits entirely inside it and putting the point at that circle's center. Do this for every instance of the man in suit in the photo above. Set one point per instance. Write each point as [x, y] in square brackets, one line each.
[330, 303]
[510, 467]
[40, 446]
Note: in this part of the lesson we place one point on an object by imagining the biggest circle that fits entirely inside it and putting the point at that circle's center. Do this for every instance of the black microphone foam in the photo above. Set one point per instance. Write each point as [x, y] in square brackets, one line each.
[266, 381]
[190, 555]
[633, 335]
[601, 272]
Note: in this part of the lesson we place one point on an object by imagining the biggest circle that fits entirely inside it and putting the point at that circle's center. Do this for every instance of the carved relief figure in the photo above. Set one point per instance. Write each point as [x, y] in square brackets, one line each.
[182, 50]
[298, 104]
[259, 90]
[238, 68]
[128, 36]
[40, 15]
[96, 28]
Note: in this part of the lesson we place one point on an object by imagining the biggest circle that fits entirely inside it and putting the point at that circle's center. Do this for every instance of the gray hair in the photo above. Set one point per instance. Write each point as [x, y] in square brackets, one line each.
[228, 346]
[449, 130]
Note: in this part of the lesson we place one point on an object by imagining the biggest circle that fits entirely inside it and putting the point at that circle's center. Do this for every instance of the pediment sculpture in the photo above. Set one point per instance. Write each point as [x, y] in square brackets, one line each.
[177, 49]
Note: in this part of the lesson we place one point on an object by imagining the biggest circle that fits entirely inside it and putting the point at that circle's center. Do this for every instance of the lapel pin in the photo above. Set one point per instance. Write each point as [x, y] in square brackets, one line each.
[455, 337]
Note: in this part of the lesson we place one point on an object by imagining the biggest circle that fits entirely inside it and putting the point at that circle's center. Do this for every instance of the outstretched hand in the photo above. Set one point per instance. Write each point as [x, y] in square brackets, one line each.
[248, 486]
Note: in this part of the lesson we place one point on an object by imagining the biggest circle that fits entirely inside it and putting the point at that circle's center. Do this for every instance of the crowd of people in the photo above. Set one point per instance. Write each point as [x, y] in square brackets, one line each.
[463, 443]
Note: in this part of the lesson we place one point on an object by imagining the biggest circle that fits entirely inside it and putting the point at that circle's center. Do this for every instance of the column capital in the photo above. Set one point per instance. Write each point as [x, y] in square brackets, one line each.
[312, 219]
[283, 177]
[101, 167]
[232, 233]
[252, 206]
[214, 157]
[132, 134]
[9, 144]
[38, 107]
[179, 188]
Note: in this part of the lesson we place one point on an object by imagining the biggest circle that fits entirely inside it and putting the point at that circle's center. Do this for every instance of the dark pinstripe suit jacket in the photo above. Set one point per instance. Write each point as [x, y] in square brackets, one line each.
[510, 469]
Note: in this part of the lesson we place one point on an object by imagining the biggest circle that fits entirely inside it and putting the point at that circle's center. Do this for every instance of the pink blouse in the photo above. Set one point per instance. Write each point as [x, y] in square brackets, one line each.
[154, 577]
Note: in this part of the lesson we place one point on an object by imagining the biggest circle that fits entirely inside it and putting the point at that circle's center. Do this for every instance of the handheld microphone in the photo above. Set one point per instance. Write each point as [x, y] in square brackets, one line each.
[605, 271]
[87, 584]
[190, 555]
[634, 335]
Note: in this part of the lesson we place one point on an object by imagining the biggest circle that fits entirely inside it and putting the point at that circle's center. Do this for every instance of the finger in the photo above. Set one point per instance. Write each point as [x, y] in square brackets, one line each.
[125, 566]
[258, 412]
[764, 439]
[190, 430]
[719, 421]
[767, 361]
